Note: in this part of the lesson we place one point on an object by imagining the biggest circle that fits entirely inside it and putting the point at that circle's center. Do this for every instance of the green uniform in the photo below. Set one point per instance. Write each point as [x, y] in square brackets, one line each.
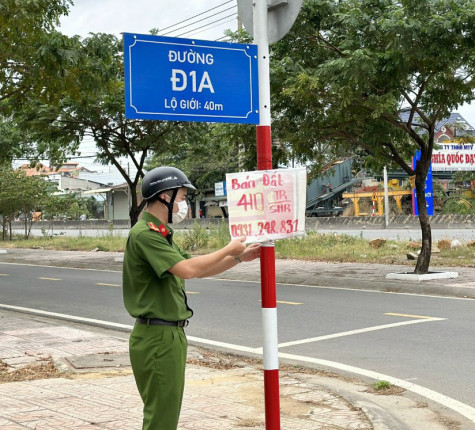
[157, 352]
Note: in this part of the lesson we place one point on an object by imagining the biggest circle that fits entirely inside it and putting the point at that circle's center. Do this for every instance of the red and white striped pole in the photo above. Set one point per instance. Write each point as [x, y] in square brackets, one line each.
[268, 286]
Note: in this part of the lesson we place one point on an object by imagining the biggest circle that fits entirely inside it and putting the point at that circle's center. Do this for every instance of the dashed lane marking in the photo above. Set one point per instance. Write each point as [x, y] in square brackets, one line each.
[289, 303]
[282, 302]
[408, 316]
[49, 279]
[103, 284]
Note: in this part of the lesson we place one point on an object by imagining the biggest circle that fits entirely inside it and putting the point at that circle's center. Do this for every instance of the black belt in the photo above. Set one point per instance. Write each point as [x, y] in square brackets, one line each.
[158, 321]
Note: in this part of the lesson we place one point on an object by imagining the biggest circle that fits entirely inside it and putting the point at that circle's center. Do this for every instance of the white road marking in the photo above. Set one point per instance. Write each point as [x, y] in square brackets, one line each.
[60, 267]
[408, 315]
[49, 279]
[287, 303]
[459, 407]
[66, 317]
[358, 331]
[103, 284]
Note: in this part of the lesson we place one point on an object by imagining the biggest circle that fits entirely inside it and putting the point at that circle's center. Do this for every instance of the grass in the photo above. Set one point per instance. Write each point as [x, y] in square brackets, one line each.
[315, 246]
[381, 385]
[385, 388]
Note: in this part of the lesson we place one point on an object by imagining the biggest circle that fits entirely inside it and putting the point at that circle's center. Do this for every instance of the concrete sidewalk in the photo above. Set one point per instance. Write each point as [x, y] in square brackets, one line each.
[94, 388]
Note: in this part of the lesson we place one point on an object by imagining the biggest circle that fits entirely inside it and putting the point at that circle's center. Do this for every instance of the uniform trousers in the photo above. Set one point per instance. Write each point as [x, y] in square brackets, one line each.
[158, 358]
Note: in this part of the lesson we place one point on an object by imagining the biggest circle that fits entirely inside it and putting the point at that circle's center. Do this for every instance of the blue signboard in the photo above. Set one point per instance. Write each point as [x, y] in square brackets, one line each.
[429, 190]
[190, 80]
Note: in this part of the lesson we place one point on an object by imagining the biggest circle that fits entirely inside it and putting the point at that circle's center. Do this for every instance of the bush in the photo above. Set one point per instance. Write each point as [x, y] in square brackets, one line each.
[195, 238]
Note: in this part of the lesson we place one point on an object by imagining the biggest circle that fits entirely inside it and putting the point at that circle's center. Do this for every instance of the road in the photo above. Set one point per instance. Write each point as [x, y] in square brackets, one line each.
[422, 339]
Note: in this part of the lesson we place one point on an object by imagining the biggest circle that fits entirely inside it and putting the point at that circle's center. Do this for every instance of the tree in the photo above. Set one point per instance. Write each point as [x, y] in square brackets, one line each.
[375, 74]
[21, 195]
[34, 58]
[209, 151]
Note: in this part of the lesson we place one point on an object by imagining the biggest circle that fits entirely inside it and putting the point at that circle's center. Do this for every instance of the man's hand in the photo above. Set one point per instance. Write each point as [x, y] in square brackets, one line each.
[236, 247]
[251, 252]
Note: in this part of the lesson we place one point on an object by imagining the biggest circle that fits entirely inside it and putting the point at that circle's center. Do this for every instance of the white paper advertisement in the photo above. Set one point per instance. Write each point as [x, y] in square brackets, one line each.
[267, 205]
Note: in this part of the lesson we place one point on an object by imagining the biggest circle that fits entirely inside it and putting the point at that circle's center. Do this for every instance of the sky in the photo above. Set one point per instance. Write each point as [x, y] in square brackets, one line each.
[209, 20]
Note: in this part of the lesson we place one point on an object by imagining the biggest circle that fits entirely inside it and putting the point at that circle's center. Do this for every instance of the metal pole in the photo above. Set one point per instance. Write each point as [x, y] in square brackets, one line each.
[386, 198]
[268, 286]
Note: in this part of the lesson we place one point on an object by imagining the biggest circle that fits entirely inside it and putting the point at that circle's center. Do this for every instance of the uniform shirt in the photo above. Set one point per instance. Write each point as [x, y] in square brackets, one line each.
[149, 290]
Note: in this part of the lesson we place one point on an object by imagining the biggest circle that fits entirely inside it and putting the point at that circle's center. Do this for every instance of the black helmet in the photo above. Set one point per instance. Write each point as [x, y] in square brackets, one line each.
[163, 178]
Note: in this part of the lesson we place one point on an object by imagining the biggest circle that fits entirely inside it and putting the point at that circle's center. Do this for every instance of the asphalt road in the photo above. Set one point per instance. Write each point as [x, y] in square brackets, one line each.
[424, 339]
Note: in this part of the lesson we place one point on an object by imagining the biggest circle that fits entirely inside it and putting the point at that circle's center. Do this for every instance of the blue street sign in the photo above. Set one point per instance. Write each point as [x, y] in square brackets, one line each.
[190, 80]
[429, 189]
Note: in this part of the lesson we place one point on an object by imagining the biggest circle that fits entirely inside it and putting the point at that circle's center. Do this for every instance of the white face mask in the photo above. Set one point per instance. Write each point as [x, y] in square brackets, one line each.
[181, 214]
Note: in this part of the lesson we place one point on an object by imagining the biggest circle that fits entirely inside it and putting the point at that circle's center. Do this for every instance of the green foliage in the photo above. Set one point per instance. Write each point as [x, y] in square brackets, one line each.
[381, 385]
[342, 74]
[34, 58]
[69, 206]
[196, 237]
[21, 194]
[459, 205]
[462, 176]
[376, 75]
[200, 239]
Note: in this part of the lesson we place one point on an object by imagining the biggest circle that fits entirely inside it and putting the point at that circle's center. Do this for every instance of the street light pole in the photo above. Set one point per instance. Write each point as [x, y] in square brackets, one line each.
[268, 285]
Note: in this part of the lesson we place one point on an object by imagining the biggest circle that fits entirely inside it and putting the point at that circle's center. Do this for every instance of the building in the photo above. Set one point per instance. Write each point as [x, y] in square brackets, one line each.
[117, 201]
[66, 169]
[324, 194]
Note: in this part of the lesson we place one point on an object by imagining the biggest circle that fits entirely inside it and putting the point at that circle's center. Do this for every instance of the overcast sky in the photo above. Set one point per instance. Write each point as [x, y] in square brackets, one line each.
[140, 16]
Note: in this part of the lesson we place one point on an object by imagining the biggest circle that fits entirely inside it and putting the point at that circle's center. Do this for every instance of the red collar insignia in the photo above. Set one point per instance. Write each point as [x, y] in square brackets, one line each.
[160, 229]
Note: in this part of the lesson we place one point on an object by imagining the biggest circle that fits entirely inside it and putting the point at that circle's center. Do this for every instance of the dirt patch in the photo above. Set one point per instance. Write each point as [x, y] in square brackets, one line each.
[246, 422]
[42, 370]
[393, 390]
[220, 361]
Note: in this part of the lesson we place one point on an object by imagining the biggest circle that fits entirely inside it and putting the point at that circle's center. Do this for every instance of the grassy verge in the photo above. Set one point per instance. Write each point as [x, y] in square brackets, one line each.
[315, 246]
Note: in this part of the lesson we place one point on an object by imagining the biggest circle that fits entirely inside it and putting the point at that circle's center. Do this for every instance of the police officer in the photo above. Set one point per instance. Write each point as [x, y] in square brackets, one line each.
[154, 294]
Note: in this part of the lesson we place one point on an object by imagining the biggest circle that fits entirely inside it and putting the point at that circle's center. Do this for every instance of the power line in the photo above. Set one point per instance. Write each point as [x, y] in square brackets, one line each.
[200, 20]
[202, 13]
[217, 25]
[194, 29]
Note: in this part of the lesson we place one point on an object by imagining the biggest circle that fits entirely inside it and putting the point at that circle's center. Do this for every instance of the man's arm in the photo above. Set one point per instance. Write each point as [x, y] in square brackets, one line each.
[196, 267]
[249, 254]
[216, 262]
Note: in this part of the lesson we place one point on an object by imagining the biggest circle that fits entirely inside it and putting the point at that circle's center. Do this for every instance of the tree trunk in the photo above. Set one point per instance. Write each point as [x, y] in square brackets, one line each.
[423, 261]
[26, 225]
[135, 208]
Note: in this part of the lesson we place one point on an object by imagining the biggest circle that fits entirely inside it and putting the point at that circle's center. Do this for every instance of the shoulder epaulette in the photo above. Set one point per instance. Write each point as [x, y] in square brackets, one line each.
[160, 229]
